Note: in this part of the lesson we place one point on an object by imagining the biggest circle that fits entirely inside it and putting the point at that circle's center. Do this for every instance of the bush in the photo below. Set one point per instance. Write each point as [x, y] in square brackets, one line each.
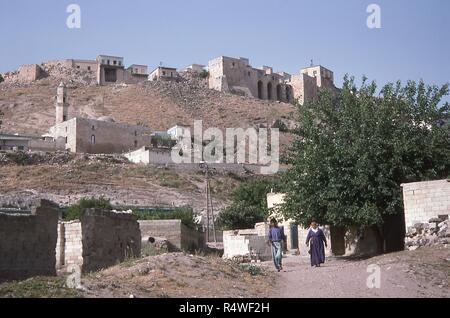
[74, 212]
[249, 205]
[1, 78]
[280, 125]
[204, 74]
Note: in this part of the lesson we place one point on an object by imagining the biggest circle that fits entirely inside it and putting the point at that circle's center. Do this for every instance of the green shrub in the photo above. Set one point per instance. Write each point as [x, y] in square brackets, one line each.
[204, 74]
[252, 269]
[74, 211]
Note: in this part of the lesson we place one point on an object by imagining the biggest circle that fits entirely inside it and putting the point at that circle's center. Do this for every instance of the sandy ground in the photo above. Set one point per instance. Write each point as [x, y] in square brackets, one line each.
[417, 274]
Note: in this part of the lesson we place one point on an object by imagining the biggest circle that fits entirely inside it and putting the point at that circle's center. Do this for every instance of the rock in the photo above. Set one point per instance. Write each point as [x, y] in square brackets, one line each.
[418, 227]
[413, 248]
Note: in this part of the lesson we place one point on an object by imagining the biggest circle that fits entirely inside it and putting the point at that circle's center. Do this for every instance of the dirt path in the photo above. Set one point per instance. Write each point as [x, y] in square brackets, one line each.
[400, 277]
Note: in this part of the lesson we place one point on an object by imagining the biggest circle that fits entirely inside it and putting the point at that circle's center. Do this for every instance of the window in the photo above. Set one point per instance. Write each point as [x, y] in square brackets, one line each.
[120, 63]
[115, 62]
[64, 99]
[108, 62]
[89, 68]
[249, 74]
[93, 127]
[234, 64]
[93, 139]
[164, 73]
[66, 140]
[135, 133]
[135, 144]
[64, 117]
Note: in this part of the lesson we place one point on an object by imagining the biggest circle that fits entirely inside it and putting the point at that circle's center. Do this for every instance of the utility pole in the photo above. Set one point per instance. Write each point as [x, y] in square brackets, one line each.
[209, 208]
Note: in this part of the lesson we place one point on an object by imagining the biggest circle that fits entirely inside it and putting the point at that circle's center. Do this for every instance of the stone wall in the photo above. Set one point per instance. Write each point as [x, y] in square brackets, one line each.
[27, 242]
[108, 238]
[30, 73]
[179, 236]
[426, 200]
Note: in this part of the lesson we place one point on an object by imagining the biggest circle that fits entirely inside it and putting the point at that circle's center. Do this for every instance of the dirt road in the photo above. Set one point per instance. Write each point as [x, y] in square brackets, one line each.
[406, 274]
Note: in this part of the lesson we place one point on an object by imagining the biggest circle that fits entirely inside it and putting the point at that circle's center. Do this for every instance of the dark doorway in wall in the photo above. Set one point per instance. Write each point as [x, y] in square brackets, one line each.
[260, 90]
[110, 75]
[269, 91]
[279, 92]
[288, 94]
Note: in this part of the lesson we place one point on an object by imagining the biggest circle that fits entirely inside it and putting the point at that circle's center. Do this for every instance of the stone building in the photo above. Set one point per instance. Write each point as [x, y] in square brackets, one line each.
[237, 76]
[194, 68]
[162, 73]
[101, 135]
[111, 70]
[30, 73]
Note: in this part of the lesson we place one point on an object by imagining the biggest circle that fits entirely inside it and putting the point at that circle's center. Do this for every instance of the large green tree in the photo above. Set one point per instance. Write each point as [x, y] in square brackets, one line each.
[249, 205]
[355, 148]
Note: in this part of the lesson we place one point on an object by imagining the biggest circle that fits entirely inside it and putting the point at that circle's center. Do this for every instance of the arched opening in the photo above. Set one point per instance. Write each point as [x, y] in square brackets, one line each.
[279, 92]
[260, 90]
[288, 94]
[93, 139]
[269, 91]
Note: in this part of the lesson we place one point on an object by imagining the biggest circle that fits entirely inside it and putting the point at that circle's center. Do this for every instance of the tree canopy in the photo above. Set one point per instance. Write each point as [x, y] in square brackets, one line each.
[355, 148]
[249, 205]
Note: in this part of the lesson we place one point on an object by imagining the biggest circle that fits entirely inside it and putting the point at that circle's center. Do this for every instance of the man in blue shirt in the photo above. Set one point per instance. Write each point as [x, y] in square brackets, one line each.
[276, 237]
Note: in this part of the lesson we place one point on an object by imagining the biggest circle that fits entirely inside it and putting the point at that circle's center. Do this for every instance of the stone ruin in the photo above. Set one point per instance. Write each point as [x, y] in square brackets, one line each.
[434, 232]
[35, 242]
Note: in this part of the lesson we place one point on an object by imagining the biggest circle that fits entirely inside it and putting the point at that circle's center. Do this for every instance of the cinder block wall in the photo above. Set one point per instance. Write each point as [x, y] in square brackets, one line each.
[425, 200]
[27, 242]
[69, 248]
[108, 238]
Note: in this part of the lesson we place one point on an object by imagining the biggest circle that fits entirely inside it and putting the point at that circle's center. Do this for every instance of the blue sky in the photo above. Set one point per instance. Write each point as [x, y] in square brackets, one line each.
[413, 43]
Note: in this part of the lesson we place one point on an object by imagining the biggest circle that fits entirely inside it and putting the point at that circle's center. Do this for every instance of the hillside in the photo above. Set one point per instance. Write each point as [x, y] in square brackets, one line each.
[29, 108]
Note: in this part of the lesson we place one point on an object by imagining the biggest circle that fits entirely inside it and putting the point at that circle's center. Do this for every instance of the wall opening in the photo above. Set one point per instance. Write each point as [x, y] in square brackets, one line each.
[269, 91]
[260, 90]
[110, 75]
[288, 93]
[279, 92]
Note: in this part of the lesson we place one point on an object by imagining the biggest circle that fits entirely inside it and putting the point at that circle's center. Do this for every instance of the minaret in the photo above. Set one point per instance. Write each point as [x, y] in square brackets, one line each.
[62, 107]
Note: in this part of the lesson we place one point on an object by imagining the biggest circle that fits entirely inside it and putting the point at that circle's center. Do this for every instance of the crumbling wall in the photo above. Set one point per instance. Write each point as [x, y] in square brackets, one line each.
[426, 200]
[249, 243]
[27, 242]
[108, 238]
[30, 73]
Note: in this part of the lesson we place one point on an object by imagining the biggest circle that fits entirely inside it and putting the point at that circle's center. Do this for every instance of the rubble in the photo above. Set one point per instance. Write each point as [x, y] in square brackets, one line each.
[54, 71]
[57, 158]
[435, 232]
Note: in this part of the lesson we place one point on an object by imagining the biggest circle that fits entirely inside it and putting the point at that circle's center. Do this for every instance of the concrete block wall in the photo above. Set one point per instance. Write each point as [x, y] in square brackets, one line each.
[108, 238]
[27, 242]
[425, 200]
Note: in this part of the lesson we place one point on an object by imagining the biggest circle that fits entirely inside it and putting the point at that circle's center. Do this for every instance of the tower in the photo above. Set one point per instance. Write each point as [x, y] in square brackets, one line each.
[62, 107]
